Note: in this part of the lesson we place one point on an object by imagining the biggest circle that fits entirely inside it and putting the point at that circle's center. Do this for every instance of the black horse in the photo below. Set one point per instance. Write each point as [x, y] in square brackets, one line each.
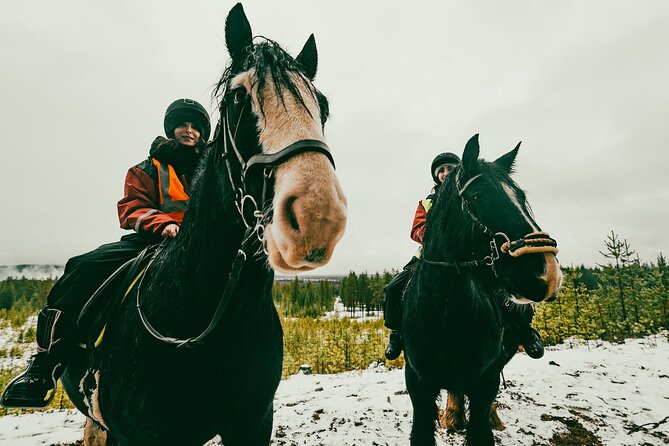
[481, 245]
[203, 356]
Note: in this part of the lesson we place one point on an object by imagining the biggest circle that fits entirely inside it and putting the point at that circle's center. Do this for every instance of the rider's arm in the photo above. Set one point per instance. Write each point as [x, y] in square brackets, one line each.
[418, 227]
[139, 208]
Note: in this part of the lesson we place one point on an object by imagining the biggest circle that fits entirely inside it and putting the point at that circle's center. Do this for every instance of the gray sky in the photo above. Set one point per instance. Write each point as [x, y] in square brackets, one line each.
[584, 85]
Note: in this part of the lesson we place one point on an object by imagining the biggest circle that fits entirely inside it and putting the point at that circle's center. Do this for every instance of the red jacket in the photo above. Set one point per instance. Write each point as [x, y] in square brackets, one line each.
[418, 227]
[144, 207]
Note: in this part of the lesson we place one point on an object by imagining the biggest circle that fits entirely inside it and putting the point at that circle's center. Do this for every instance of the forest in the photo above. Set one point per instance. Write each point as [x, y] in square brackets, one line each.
[621, 298]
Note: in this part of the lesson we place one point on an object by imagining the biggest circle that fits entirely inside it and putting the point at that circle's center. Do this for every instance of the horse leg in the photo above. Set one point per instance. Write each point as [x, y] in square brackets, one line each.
[453, 416]
[248, 433]
[94, 435]
[495, 422]
[479, 432]
[423, 400]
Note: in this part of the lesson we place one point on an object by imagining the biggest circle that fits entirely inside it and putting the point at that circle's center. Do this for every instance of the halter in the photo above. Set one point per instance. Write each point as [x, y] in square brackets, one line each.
[535, 242]
[255, 230]
[262, 162]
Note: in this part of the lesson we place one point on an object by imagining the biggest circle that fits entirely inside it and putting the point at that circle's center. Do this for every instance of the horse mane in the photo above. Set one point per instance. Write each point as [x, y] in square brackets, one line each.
[268, 59]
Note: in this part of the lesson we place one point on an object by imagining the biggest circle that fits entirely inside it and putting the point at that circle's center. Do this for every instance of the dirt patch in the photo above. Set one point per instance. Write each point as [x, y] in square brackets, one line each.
[576, 434]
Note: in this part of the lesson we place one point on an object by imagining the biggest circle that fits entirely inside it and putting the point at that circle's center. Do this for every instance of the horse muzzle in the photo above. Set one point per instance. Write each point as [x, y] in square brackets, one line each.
[537, 245]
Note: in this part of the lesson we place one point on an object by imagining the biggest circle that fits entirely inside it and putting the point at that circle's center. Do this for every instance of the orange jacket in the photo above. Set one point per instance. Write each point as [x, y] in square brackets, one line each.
[154, 197]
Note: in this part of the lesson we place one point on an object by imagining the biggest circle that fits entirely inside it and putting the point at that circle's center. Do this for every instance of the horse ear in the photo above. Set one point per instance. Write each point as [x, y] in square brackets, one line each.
[308, 58]
[471, 154]
[506, 161]
[238, 35]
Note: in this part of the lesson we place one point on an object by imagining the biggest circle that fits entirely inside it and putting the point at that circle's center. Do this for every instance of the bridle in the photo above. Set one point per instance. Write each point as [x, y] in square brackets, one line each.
[535, 242]
[262, 162]
[244, 201]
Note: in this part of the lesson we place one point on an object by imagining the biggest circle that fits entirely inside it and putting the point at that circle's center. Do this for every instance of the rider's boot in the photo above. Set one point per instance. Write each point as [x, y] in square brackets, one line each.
[531, 342]
[394, 347]
[36, 386]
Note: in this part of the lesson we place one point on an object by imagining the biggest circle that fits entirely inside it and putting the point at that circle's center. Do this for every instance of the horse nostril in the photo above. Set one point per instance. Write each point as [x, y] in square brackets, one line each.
[290, 213]
[316, 255]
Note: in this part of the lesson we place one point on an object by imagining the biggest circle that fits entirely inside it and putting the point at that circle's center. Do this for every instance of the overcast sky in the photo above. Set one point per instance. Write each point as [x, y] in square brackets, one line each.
[584, 84]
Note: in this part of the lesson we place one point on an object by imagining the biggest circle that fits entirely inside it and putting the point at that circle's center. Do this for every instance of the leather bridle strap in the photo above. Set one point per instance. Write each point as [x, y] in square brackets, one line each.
[275, 159]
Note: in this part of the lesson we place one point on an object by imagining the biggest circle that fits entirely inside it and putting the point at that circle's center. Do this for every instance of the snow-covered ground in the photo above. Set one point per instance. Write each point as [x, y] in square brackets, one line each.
[591, 394]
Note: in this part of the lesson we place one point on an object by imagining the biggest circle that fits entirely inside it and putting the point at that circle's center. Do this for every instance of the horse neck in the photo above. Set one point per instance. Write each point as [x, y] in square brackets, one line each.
[451, 236]
[210, 238]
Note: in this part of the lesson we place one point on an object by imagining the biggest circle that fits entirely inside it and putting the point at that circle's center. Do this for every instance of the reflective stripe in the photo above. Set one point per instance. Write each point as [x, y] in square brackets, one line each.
[173, 197]
[146, 214]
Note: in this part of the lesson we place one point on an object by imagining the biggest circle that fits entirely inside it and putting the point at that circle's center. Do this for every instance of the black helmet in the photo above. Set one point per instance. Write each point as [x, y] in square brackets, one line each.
[187, 110]
[440, 160]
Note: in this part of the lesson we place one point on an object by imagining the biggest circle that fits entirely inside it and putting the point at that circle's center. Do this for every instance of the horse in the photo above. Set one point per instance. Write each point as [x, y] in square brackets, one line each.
[265, 198]
[481, 245]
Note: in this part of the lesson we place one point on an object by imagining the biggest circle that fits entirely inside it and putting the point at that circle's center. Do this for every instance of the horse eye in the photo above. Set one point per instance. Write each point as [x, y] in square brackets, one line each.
[239, 96]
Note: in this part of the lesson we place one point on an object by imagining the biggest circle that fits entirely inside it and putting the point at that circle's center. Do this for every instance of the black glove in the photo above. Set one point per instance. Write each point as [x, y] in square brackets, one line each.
[200, 146]
[162, 145]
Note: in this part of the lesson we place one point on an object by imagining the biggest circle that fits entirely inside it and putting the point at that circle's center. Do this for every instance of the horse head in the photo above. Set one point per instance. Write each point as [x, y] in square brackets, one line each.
[502, 228]
[271, 130]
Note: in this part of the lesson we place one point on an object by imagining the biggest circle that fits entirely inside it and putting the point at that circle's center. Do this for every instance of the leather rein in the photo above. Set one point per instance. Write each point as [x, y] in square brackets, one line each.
[255, 230]
[535, 242]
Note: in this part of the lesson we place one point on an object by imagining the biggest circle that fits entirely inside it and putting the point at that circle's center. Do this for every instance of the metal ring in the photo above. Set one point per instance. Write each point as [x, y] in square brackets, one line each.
[242, 206]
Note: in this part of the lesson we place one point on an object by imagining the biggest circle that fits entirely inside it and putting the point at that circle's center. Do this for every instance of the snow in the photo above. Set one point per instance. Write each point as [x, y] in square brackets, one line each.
[609, 389]
[9, 338]
[359, 315]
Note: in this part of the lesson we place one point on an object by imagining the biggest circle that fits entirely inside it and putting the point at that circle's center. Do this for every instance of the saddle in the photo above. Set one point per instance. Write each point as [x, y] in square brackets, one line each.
[107, 299]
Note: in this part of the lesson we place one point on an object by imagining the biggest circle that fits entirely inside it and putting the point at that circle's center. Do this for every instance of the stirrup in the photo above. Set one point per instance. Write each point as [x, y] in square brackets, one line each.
[9, 402]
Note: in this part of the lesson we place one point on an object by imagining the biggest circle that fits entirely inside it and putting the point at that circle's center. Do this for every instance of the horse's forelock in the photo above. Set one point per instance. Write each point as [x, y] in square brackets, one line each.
[269, 61]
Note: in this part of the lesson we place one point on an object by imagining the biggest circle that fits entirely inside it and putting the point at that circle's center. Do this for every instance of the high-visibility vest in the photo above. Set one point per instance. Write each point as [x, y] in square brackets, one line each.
[427, 204]
[173, 197]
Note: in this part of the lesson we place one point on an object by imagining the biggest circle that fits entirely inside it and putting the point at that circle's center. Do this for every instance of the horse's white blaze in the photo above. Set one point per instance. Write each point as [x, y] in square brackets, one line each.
[283, 120]
[309, 205]
[514, 199]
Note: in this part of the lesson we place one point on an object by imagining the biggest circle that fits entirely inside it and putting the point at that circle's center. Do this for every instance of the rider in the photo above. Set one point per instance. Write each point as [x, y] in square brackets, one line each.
[520, 316]
[156, 194]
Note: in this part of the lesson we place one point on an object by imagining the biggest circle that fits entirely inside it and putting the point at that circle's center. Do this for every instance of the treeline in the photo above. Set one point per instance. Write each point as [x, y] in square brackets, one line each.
[364, 292]
[360, 294]
[21, 298]
[622, 298]
[304, 298]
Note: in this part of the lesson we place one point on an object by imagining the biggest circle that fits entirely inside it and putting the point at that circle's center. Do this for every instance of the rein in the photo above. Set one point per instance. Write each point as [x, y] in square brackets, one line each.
[233, 278]
[535, 242]
[255, 230]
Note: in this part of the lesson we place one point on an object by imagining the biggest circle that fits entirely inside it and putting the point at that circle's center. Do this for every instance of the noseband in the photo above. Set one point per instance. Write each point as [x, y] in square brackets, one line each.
[535, 242]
